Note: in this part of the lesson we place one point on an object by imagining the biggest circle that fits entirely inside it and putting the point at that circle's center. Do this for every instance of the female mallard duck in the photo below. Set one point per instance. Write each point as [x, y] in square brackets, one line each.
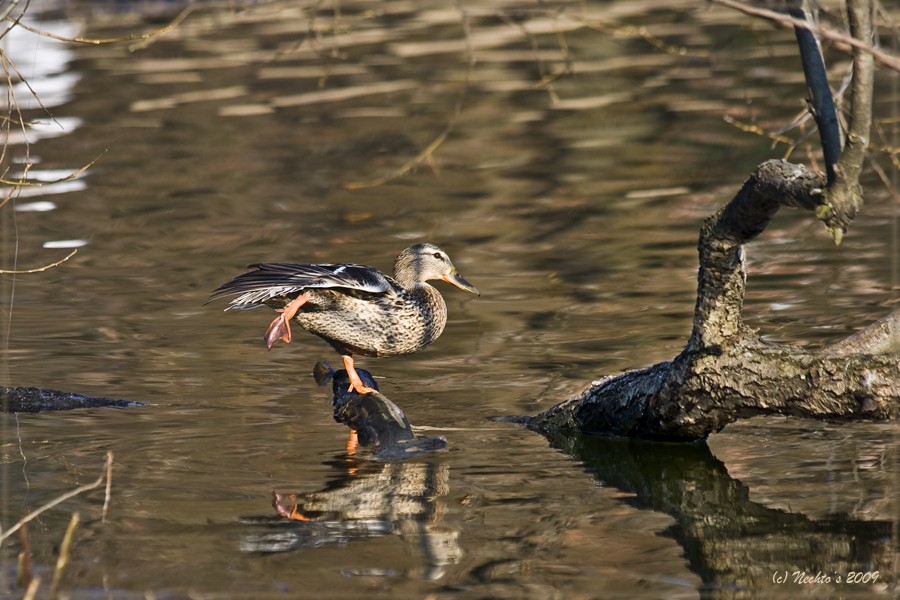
[355, 308]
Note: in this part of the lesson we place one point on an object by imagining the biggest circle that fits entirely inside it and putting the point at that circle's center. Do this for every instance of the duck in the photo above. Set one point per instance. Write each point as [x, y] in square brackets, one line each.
[357, 309]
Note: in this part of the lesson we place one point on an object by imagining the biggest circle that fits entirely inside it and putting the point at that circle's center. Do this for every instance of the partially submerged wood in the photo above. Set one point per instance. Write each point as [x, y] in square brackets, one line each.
[379, 423]
[32, 400]
[726, 371]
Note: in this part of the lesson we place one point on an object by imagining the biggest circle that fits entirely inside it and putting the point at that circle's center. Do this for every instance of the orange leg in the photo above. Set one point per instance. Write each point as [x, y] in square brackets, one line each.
[281, 326]
[356, 384]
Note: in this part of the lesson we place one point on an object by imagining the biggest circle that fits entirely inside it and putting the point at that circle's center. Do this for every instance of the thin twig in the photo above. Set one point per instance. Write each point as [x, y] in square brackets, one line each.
[881, 56]
[134, 37]
[108, 494]
[22, 182]
[426, 155]
[756, 129]
[25, 574]
[38, 269]
[63, 560]
[31, 592]
[13, 20]
[59, 500]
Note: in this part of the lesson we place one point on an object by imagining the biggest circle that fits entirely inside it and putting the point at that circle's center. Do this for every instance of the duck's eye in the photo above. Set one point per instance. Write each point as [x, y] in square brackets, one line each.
[439, 256]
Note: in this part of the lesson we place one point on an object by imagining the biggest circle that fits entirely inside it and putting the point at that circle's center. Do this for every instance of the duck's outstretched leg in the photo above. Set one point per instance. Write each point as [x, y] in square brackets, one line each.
[281, 326]
[356, 384]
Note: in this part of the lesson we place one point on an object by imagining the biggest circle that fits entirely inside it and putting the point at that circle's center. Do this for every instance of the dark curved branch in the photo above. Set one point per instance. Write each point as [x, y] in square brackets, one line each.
[821, 99]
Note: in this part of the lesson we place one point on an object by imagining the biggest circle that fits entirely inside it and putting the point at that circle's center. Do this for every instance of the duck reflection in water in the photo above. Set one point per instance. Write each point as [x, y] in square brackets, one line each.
[384, 495]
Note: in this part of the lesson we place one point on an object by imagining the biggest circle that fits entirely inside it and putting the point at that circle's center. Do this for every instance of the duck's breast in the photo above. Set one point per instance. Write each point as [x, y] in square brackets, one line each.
[391, 324]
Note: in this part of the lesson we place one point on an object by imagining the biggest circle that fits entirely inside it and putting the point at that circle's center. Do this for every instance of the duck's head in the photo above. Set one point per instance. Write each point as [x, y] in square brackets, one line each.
[425, 262]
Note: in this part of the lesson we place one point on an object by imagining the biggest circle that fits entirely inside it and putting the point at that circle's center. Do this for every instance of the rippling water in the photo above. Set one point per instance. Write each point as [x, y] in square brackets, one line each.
[580, 148]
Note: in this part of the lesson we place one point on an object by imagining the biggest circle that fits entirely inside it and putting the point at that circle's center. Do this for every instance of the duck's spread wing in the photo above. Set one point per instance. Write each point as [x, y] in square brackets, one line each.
[271, 280]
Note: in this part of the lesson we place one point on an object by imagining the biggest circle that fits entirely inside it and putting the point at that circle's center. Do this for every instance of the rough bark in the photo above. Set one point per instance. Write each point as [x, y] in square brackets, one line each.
[726, 372]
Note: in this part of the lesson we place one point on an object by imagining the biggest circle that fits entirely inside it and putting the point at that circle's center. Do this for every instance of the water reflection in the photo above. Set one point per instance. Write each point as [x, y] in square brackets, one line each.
[740, 548]
[578, 200]
[363, 500]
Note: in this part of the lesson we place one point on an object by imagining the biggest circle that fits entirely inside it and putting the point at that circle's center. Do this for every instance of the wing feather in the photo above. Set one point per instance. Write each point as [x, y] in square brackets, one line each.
[270, 280]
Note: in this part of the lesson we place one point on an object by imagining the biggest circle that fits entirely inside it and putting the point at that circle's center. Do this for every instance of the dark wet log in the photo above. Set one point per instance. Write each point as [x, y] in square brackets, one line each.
[32, 400]
[701, 391]
[379, 423]
[726, 372]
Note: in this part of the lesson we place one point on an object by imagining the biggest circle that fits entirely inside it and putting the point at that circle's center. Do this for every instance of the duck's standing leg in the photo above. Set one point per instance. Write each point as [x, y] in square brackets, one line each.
[281, 326]
[356, 384]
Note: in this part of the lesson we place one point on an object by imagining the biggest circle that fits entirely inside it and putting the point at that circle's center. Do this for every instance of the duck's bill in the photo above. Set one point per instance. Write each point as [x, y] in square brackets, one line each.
[458, 280]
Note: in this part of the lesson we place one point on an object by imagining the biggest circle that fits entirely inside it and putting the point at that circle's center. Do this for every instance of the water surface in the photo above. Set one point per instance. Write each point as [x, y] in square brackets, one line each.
[581, 158]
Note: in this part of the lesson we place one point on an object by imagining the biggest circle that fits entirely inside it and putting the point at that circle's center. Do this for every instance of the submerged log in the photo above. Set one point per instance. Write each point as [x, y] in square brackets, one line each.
[32, 400]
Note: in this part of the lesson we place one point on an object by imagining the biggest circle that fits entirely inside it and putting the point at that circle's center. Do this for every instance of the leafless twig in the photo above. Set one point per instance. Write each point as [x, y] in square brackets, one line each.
[427, 155]
[60, 499]
[38, 269]
[783, 20]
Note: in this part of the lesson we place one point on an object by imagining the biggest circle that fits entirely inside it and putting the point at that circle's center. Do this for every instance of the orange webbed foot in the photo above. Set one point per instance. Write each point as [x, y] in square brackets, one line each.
[280, 327]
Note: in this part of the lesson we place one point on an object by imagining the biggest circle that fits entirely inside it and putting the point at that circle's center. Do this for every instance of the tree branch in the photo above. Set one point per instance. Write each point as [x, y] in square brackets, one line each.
[887, 60]
[821, 99]
[843, 198]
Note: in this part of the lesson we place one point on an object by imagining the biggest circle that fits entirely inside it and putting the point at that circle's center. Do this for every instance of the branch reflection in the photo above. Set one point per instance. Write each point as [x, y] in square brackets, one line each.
[738, 547]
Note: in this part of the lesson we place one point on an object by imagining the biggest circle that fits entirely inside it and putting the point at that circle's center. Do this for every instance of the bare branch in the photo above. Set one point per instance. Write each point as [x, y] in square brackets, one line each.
[843, 197]
[59, 500]
[22, 182]
[820, 93]
[137, 37]
[38, 269]
[427, 155]
[783, 20]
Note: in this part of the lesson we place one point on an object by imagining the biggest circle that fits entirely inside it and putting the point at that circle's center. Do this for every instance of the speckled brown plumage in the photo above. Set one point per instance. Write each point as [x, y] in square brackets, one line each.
[357, 309]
